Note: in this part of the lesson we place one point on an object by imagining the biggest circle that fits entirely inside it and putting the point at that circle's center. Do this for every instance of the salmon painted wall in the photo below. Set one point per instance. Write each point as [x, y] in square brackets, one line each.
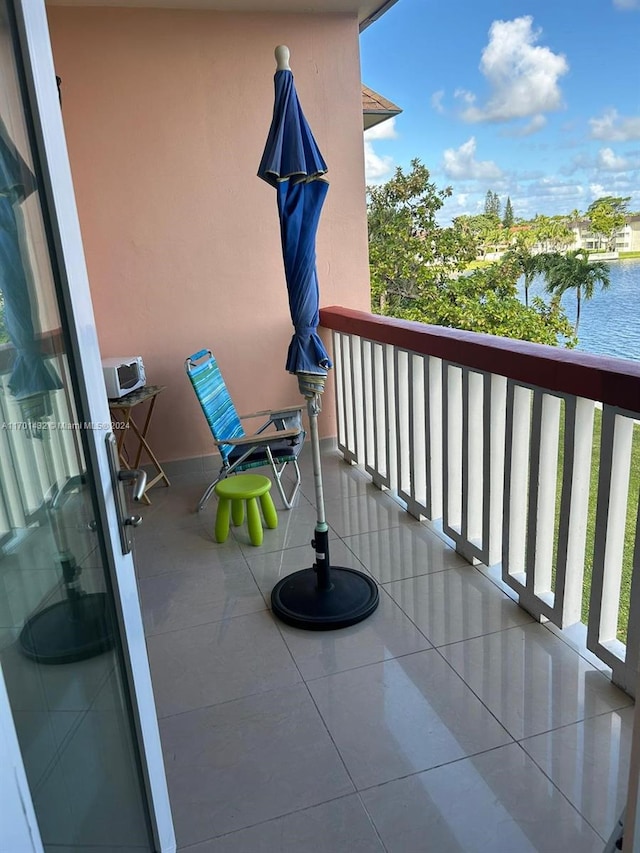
[166, 114]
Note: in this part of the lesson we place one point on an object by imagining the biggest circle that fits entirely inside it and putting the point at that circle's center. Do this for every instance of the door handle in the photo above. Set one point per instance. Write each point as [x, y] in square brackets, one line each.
[139, 479]
[118, 478]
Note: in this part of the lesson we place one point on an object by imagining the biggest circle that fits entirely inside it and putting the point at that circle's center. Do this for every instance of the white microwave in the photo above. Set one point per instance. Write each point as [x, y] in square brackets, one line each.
[123, 375]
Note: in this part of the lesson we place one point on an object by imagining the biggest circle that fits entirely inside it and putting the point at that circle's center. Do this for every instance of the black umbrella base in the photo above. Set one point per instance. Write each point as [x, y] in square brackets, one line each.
[68, 631]
[351, 598]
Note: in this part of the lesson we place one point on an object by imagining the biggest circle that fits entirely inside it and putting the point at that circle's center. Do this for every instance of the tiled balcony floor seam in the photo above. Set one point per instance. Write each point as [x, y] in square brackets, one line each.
[559, 793]
[361, 790]
[358, 792]
[491, 573]
[189, 847]
[344, 540]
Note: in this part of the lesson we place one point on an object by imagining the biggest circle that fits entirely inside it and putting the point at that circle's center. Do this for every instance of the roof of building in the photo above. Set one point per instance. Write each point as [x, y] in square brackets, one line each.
[376, 108]
[368, 18]
[367, 11]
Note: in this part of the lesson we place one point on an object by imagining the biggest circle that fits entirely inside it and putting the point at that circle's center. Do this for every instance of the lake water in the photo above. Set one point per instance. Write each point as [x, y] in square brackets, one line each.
[610, 322]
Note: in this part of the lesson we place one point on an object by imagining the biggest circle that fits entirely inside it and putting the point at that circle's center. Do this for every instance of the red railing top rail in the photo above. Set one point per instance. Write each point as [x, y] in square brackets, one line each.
[614, 381]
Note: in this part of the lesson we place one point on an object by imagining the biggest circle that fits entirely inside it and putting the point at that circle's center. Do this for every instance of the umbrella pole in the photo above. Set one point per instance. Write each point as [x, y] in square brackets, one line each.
[321, 540]
[322, 598]
[79, 626]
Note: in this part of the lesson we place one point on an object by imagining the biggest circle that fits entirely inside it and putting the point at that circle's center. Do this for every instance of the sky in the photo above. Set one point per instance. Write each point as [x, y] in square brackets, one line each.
[536, 100]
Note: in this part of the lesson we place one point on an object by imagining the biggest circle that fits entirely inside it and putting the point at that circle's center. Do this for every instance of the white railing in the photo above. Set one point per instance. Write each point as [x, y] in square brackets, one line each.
[493, 440]
[37, 454]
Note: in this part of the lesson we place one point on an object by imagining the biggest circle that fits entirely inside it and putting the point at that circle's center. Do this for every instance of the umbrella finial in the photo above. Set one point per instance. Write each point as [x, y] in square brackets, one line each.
[282, 57]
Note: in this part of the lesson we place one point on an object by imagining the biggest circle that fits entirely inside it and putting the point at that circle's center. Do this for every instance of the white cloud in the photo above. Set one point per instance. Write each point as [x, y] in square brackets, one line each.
[549, 195]
[627, 4]
[384, 130]
[613, 127]
[523, 75]
[550, 186]
[597, 190]
[378, 168]
[464, 95]
[616, 184]
[531, 127]
[611, 162]
[461, 163]
[436, 101]
[606, 160]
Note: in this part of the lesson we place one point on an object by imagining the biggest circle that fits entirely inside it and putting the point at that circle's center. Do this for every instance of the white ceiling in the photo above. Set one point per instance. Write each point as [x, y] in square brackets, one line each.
[367, 10]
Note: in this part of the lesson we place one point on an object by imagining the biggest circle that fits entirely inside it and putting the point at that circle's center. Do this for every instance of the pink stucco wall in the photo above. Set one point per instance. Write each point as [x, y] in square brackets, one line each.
[166, 114]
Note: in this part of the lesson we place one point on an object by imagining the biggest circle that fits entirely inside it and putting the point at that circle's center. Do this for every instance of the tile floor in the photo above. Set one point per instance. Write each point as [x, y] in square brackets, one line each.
[448, 721]
[72, 728]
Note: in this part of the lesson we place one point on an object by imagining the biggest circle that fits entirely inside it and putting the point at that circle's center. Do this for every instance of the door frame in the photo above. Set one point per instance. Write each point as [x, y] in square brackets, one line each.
[19, 825]
[84, 354]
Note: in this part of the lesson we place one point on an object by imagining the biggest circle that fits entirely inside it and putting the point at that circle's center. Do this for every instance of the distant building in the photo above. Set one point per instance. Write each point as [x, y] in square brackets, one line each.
[627, 238]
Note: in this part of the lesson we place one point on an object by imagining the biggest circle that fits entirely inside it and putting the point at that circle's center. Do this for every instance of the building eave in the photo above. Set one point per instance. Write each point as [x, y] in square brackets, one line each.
[376, 108]
[367, 11]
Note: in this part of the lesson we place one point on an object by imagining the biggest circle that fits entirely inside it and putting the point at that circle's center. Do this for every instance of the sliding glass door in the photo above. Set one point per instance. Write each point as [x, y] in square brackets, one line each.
[72, 652]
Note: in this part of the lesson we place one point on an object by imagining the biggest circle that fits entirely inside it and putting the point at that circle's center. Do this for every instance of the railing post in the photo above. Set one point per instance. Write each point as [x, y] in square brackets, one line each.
[613, 493]
[403, 423]
[543, 481]
[574, 507]
[493, 500]
[452, 438]
[434, 501]
[516, 486]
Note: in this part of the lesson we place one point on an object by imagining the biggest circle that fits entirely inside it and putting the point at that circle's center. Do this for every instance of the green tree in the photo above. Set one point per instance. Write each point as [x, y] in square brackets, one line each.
[484, 228]
[487, 301]
[417, 267]
[575, 272]
[527, 264]
[508, 218]
[607, 215]
[409, 252]
[552, 233]
[492, 204]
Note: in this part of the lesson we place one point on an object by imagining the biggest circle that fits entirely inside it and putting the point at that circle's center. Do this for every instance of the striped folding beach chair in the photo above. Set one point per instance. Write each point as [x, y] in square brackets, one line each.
[277, 442]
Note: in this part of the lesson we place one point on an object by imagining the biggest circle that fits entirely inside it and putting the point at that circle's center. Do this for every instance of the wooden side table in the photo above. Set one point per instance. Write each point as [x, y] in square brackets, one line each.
[124, 406]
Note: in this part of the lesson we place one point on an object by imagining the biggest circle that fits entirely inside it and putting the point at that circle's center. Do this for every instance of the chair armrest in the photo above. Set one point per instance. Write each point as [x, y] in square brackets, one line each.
[285, 413]
[271, 412]
[262, 438]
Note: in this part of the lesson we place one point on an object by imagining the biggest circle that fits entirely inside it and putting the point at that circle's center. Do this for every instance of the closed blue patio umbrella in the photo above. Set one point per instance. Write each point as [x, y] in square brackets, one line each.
[30, 374]
[78, 626]
[323, 597]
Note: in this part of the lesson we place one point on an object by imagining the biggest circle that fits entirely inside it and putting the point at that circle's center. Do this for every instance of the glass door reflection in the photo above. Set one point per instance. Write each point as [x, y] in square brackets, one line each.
[59, 644]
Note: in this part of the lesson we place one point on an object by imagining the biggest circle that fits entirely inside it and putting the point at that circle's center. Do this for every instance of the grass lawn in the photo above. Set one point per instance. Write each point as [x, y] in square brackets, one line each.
[479, 264]
[632, 509]
[625, 255]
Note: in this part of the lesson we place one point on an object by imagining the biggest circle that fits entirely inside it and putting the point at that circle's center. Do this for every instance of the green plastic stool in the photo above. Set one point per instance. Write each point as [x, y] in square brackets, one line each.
[233, 493]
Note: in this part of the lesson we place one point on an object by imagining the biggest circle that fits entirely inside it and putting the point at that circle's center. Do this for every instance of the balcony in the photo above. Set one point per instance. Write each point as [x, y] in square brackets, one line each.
[454, 713]
[449, 715]
[474, 710]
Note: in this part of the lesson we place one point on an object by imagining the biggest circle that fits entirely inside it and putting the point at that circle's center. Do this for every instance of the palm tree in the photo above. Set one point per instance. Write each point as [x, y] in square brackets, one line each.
[527, 264]
[574, 271]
